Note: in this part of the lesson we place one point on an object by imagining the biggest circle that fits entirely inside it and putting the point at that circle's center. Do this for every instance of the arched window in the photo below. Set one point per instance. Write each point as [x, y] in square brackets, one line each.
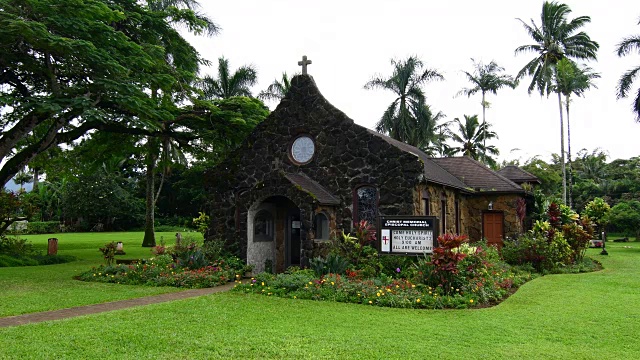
[263, 226]
[366, 205]
[322, 227]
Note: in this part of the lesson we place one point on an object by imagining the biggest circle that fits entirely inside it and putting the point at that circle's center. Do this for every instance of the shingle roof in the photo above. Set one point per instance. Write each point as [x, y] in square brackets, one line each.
[432, 171]
[316, 190]
[476, 175]
[518, 175]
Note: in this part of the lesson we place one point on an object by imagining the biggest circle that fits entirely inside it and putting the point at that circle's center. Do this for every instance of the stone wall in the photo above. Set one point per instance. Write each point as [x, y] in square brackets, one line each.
[435, 193]
[506, 203]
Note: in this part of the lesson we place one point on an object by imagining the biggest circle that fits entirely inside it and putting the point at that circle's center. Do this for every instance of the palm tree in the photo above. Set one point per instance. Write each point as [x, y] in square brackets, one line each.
[277, 90]
[571, 79]
[626, 46]
[406, 81]
[555, 39]
[424, 128]
[487, 78]
[229, 85]
[472, 136]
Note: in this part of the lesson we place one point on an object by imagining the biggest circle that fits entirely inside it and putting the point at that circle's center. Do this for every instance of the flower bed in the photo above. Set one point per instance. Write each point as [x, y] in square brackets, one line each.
[455, 276]
[157, 272]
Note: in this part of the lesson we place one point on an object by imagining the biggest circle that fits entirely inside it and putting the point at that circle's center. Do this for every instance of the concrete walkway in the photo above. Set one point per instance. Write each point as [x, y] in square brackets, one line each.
[109, 306]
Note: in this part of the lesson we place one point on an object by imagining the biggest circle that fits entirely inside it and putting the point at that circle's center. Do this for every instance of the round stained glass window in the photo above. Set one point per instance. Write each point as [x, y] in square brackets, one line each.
[302, 149]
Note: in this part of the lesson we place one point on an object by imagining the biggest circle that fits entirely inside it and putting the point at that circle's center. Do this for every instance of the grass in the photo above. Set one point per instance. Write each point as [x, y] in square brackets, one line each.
[575, 316]
[40, 288]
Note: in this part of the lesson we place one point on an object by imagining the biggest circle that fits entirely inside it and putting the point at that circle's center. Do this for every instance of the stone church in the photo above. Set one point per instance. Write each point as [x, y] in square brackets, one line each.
[308, 172]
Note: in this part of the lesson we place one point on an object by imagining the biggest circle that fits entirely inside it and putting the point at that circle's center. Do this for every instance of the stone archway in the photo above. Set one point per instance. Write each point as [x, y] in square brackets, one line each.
[274, 234]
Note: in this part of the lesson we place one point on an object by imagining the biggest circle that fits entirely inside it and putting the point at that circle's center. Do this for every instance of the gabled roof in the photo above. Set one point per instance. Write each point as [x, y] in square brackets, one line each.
[311, 187]
[518, 175]
[476, 175]
[432, 171]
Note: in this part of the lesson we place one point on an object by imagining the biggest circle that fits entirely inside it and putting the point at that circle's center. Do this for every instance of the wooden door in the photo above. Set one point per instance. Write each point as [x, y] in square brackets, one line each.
[492, 228]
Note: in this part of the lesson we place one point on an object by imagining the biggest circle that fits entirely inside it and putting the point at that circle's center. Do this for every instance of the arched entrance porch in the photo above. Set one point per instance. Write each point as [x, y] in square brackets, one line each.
[274, 234]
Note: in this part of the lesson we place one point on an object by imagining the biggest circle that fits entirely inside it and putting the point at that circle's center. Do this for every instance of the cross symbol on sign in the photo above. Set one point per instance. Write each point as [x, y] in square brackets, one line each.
[304, 64]
[385, 239]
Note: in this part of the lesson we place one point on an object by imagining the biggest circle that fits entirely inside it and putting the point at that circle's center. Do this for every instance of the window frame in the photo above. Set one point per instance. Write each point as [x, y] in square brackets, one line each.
[356, 212]
[270, 227]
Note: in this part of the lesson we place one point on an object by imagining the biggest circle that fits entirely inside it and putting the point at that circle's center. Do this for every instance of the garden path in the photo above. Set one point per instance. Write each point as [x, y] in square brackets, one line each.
[109, 306]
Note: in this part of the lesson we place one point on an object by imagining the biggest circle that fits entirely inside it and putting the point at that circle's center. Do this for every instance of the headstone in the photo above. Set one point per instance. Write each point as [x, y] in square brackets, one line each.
[52, 248]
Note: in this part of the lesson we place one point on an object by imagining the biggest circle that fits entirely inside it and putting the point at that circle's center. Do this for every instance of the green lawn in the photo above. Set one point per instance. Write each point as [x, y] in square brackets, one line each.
[39, 288]
[583, 316]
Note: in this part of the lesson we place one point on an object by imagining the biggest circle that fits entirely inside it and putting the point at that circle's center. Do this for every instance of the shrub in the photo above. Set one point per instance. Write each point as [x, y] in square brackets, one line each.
[15, 246]
[332, 264]
[536, 249]
[45, 227]
[109, 252]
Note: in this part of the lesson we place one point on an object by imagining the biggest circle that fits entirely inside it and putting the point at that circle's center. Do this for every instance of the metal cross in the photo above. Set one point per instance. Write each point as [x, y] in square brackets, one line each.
[276, 163]
[304, 64]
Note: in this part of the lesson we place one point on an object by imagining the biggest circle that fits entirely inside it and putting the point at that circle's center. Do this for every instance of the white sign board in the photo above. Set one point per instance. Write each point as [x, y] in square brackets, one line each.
[412, 241]
[407, 235]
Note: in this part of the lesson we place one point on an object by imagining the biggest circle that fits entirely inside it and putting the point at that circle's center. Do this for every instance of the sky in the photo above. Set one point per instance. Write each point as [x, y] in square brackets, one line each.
[349, 42]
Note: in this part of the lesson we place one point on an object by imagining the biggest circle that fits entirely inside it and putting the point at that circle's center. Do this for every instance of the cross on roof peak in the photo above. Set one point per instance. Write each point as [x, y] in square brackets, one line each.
[304, 64]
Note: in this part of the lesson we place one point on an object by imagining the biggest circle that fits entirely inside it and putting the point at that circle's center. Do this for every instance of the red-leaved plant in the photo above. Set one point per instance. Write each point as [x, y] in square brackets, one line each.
[445, 261]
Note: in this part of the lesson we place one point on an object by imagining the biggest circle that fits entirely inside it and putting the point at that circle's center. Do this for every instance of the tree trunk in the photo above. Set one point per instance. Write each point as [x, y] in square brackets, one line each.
[36, 174]
[570, 170]
[149, 226]
[484, 139]
[564, 169]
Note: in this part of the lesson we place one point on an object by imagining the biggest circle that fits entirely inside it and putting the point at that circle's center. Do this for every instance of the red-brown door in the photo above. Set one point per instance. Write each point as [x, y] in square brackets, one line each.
[492, 228]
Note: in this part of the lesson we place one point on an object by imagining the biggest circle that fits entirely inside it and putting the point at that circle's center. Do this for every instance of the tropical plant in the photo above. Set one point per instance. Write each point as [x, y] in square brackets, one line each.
[21, 178]
[406, 83]
[625, 47]
[424, 132]
[486, 78]
[277, 89]
[598, 211]
[229, 84]
[471, 137]
[572, 79]
[556, 38]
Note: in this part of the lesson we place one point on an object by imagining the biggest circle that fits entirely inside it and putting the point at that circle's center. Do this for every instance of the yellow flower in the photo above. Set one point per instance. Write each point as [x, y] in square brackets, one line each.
[370, 302]
[332, 283]
[263, 283]
[358, 294]
[471, 301]
[413, 286]
[378, 294]
[295, 297]
[310, 283]
[418, 300]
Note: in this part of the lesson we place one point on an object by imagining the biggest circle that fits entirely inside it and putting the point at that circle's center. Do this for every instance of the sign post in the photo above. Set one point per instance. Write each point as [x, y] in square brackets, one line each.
[407, 235]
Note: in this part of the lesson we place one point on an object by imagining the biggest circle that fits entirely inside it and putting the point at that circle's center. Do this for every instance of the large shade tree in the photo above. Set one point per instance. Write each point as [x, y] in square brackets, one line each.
[69, 67]
[229, 84]
[486, 78]
[629, 45]
[406, 83]
[471, 138]
[556, 38]
[571, 79]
